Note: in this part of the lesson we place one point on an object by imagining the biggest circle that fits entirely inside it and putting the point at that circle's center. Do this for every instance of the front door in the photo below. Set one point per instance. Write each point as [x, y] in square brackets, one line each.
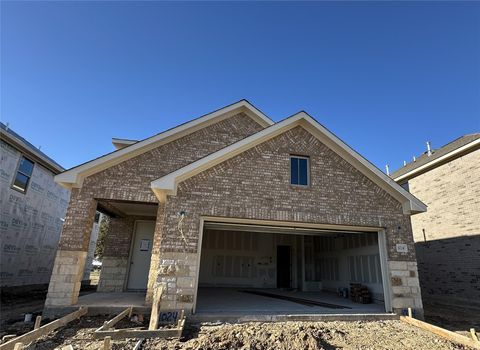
[283, 266]
[141, 255]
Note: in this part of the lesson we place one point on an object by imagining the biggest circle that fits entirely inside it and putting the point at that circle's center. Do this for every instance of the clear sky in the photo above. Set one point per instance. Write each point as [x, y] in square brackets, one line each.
[384, 76]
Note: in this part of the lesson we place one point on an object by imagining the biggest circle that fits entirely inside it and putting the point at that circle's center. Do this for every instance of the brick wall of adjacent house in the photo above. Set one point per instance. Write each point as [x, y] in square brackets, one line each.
[130, 181]
[256, 185]
[449, 254]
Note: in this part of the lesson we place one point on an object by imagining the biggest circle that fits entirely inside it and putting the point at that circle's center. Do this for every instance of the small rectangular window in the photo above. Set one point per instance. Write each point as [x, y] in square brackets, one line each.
[299, 170]
[22, 177]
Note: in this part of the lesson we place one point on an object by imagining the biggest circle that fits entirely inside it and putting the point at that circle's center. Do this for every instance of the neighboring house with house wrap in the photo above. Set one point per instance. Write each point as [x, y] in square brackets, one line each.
[32, 210]
[447, 236]
[233, 200]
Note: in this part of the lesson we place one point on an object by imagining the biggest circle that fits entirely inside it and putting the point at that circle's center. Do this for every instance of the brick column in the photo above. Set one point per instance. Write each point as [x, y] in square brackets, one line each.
[115, 255]
[72, 251]
[177, 265]
[154, 262]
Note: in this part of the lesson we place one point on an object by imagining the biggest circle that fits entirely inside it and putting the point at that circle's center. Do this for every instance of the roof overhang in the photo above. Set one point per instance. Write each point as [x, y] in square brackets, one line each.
[30, 152]
[440, 160]
[122, 143]
[74, 177]
[167, 185]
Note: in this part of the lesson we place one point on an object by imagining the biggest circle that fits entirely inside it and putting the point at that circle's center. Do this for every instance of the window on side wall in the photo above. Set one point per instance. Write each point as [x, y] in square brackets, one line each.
[299, 170]
[23, 175]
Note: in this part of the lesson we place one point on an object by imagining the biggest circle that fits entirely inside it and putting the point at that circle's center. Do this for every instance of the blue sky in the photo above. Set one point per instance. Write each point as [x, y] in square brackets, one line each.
[384, 76]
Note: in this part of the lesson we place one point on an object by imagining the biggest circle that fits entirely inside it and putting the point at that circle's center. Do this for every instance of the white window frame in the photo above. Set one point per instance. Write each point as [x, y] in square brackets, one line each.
[17, 170]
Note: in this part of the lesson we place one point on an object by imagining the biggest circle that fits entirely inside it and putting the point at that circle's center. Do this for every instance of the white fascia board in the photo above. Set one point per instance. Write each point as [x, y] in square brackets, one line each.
[434, 162]
[74, 177]
[412, 203]
[167, 185]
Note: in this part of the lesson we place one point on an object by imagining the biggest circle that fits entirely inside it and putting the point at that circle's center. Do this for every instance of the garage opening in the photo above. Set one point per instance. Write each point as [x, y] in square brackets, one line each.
[259, 269]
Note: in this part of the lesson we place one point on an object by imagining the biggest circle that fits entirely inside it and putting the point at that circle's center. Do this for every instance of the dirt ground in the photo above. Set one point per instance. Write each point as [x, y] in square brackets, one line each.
[390, 335]
[256, 336]
[452, 317]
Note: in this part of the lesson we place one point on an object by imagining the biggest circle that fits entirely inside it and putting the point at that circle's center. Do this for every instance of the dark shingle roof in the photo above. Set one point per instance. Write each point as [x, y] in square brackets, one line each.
[436, 153]
[32, 148]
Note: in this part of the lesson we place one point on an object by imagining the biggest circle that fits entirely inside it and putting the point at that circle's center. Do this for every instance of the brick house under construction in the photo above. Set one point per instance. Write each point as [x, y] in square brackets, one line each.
[230, 209]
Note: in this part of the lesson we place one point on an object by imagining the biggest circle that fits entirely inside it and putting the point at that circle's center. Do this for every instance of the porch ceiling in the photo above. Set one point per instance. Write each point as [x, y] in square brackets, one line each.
[127, 208]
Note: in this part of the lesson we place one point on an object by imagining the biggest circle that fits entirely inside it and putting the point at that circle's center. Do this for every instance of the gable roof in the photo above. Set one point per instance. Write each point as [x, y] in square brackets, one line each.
[167, 185]
[451, 150]
[30, 150]
[74, 176]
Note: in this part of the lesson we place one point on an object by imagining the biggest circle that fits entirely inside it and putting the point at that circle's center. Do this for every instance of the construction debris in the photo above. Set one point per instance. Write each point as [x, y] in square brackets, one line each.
[41, 331]
[360, 294]
[167, 331]
[449, 335]
[391, 335]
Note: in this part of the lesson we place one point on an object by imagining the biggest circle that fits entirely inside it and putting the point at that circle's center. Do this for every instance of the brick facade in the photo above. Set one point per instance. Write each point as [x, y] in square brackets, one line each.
[449, 254]
[256, 185]
[252, 185]
[116, 254]
[130, 181]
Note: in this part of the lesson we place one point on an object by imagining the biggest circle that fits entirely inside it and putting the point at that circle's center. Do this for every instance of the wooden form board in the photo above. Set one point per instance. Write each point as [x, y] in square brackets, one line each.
[43, 330]
[157, 298]
[444, 333]
[107, 331]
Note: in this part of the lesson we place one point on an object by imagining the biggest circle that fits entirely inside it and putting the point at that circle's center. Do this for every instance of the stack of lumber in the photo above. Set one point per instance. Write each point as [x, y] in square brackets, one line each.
[360, 294]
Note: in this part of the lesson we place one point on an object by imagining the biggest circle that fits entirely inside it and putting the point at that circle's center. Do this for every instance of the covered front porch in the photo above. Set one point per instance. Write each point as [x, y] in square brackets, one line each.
[128, 246]
[127, 249]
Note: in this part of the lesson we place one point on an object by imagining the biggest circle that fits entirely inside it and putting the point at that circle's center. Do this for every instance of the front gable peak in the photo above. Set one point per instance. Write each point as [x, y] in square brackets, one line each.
[127, 149]
[167, 185]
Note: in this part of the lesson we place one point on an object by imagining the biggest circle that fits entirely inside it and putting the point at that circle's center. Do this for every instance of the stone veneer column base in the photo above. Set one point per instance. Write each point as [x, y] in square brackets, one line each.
[66, 278]
[113, 274]
[405, 287]
[177, 272]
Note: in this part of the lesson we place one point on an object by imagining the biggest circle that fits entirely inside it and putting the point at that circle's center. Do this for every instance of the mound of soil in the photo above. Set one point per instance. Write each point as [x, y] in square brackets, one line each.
[305, 335]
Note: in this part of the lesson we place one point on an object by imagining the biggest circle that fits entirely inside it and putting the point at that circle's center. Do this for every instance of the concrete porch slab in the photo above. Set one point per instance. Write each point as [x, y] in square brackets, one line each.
[112, 299]
[112, 303]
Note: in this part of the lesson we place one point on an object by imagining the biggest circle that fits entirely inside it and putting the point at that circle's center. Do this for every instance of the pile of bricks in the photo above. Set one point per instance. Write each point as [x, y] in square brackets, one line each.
[360, 294]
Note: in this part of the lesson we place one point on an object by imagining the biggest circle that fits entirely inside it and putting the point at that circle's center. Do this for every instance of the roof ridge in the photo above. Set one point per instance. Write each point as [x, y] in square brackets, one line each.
[423, 159]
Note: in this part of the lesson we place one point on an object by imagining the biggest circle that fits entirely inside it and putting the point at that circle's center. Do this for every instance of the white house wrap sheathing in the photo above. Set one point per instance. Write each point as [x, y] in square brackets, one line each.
[30, 223]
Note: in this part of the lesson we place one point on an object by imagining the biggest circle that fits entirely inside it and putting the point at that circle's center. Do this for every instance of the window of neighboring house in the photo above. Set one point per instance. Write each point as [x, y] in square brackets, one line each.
[24, 173]
[299, 172]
